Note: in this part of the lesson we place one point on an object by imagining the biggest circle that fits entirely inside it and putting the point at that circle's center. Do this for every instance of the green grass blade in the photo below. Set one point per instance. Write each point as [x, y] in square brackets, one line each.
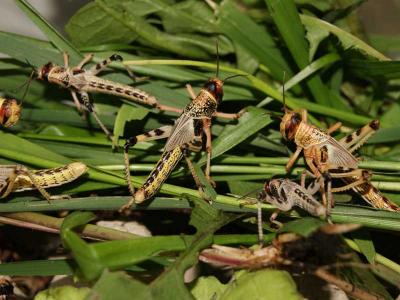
[48, 30]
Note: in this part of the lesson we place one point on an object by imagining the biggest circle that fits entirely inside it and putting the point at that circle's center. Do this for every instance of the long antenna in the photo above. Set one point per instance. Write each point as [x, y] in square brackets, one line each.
[283, 92]
[217, 73]
[233, 76]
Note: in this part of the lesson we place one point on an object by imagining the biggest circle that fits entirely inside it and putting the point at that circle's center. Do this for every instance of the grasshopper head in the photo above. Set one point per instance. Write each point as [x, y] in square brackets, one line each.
[289, 124]
[271, 188]
[44, 71]
[214, 87]
[10, 112]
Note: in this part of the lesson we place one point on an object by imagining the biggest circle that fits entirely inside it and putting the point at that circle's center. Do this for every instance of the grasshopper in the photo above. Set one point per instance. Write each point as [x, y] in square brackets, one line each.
[284, 194]
[10, 112]
[17, 178]
[185, 135]
[81, 82]
[313, 255]
[322, 152]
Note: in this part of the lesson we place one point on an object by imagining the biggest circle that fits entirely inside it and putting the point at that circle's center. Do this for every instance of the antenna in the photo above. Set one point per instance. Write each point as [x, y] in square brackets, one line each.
[283, 92]
[233, 76]
[217, 72]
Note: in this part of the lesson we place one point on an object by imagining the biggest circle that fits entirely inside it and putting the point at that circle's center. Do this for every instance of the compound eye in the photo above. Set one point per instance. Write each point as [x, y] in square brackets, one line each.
[274, 190]
[211, 87]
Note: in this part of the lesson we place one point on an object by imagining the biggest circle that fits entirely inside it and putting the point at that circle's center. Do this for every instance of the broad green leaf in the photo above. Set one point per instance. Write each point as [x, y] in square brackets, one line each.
[364, 242]
[117, 285]
[92, 26]
[54, 37]
[207, 288]
[348, 40]
[262, 284]
[304, 227]
[65, 292]
[287, 20]
[252, 121]
[151, 34]
[253, 38]
[125, 114]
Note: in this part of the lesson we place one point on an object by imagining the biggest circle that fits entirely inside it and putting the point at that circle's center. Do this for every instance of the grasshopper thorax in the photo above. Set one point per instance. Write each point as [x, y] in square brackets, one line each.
[10, 112]
[214, 87]
[289, 124]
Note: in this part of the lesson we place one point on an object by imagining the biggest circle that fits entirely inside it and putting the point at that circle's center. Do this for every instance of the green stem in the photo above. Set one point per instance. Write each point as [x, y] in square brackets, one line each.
[378, 257]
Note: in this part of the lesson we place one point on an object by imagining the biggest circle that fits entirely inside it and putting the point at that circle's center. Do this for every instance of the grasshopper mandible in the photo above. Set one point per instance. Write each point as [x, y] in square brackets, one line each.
[17, 178]
[185, 135]
[10, 112]
[81, 82]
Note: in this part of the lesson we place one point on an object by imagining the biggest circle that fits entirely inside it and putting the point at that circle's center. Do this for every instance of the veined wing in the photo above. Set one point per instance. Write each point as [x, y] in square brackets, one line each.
[182, 133]
[338, 155]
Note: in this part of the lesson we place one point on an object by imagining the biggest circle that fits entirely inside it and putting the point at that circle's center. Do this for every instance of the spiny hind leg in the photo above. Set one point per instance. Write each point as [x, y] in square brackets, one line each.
[159, 133]
[199, 185]
[85, 99]
[353, 179]
[359, 137]
[102, 65]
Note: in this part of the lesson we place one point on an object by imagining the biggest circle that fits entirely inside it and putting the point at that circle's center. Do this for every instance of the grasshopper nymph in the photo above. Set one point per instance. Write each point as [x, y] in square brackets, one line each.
[17, 178]
[81, 82]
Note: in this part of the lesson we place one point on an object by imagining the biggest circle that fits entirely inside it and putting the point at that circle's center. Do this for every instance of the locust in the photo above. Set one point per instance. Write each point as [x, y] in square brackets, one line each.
[315, 255]
[185, 135]
[322, 152]
[10, 111]
[17, 178]
[81, 82]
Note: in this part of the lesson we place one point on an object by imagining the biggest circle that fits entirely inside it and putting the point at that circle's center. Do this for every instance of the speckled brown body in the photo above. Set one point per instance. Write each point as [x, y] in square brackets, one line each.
[185, 134]
[82, 80]
[16, 179]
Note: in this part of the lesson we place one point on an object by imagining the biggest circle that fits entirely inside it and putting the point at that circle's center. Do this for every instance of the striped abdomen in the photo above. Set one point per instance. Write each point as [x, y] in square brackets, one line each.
[373, 196]
[159, 174]
[98, 85]
[49, 177]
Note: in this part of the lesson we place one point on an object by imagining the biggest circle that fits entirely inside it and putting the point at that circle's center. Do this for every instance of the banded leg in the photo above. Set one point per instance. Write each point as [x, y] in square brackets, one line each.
[159, 133]
[85, 99]
[102, 65]
[358, 138]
